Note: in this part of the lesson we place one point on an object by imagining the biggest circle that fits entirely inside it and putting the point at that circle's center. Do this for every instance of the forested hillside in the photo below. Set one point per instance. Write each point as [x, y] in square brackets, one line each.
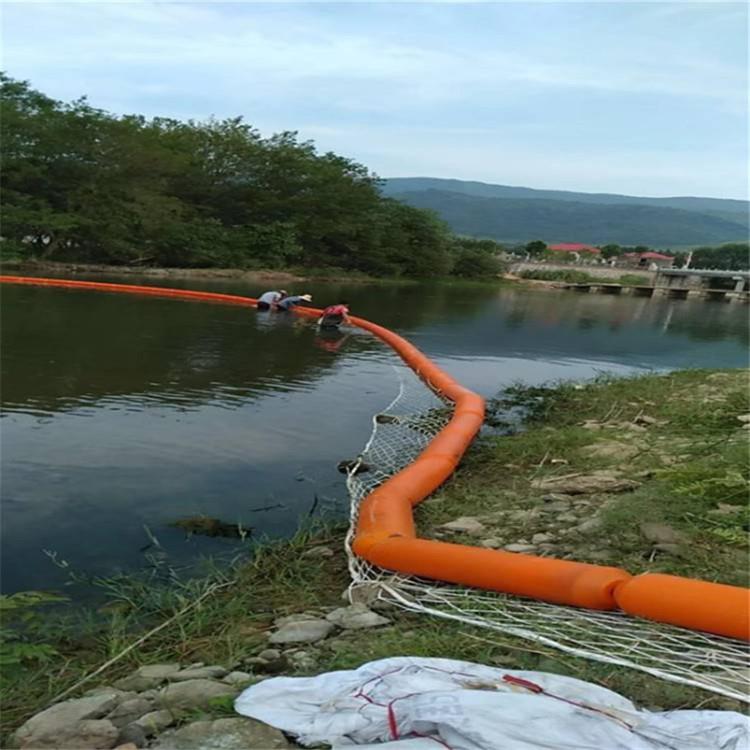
[82, 184]
[514, 214]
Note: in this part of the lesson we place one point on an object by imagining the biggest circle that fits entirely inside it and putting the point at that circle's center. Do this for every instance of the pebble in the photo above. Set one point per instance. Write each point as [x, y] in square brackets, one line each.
[318, 552]
[520, 548]
[465, 524]
[302, 631]
[492, 543]
[356, 617]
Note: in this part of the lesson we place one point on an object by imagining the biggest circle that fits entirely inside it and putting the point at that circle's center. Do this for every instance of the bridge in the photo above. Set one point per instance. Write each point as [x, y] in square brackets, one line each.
[681, 283]
[702, 278]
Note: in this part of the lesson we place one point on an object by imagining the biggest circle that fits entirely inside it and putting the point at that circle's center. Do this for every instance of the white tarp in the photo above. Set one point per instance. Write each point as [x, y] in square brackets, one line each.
[424, 704]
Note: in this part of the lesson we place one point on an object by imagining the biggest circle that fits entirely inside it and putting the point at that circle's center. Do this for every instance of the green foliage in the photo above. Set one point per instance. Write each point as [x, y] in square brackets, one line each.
[571, 277]
[536, 247]
[519, 219]
[734, 256]
[611, 251]
[476, 258]
[80, 184]
[20, 623]
[633, 279]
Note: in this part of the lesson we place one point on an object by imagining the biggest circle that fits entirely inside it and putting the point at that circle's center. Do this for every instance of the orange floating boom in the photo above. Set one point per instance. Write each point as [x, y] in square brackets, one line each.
[386, 534]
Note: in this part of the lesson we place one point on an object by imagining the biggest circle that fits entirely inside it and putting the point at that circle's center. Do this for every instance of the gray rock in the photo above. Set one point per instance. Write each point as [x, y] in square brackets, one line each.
[88, 734]
[224, 734]
[660, 533]
[302, 660]
[128, 711]
[356, 617]
[198, 673]
[592, 424]
[364, 593]
[524, 515]
[238, 679]
[122, 695]
[269, 654]
[318, 552]
[559, 506]
[567, 518]
[465, 524]
[91, 734]
[155, 722]
[589, 525]
[541, 538]
[646, 420]
[520, 548]
[302, 631]
[132, 733]
[62, 723]
[192, 694]
[582, 484]
[279, 622]
[601, 555]
[147, 677]
[158, 671]
[492, 543]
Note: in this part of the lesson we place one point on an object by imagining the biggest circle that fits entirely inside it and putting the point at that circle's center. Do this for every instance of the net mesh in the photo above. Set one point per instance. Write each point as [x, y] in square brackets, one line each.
[400, 433]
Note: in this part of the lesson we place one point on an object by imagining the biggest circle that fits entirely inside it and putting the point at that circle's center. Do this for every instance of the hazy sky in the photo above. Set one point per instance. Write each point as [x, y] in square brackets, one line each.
[645, 98]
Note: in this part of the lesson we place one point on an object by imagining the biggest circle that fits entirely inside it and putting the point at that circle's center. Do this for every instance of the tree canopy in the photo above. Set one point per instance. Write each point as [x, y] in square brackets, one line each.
[81, 184]
[734, 256]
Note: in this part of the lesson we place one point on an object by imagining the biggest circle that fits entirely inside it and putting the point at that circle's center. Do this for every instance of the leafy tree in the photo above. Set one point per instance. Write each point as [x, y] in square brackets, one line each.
[611, 251]
[536, 247]
[733, 256]
[82, 184]
[476, 264]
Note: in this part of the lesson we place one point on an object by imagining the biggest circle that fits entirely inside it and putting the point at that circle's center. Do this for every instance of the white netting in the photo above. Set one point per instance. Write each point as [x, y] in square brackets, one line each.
[400, 433]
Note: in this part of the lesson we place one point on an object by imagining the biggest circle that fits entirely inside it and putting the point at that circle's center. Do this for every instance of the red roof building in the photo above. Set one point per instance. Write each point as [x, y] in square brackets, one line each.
[649, 258]
[574, 247]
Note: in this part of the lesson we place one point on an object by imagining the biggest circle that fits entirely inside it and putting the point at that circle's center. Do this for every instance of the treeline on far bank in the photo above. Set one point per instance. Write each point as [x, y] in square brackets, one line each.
[80, 184]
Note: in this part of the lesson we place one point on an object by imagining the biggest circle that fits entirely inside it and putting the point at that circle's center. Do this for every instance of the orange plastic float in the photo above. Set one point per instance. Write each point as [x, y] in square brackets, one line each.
[386, 534]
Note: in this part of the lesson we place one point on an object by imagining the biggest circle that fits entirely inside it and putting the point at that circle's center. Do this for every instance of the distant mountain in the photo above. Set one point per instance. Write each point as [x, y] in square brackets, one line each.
[518, 220]
[518, 214]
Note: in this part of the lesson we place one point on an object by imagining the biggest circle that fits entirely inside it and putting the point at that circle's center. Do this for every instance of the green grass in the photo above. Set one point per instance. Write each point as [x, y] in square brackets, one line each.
[691, 463]
[573, 276]
[632, 279]
[569, 276]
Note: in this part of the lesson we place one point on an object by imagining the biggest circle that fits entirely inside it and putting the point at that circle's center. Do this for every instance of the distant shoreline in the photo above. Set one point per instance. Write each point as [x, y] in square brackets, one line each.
[290, 276]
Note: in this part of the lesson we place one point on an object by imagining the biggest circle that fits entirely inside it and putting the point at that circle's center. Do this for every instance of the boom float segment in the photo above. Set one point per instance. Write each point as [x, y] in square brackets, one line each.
[386, 534]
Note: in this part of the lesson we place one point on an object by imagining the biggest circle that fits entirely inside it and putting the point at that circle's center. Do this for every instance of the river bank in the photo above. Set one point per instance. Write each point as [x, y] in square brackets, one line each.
[646, 473]
[270, 275]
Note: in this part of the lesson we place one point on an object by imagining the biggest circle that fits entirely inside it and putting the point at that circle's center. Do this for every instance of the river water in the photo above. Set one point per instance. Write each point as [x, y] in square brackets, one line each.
[121, 415]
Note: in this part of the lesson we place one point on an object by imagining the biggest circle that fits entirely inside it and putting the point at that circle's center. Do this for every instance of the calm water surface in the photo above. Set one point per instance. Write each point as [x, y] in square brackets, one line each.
[122, 414]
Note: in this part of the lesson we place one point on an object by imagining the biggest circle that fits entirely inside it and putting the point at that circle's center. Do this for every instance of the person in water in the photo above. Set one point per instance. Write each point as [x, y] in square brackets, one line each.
[270, 300]
[288, 303]
[333, 316]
